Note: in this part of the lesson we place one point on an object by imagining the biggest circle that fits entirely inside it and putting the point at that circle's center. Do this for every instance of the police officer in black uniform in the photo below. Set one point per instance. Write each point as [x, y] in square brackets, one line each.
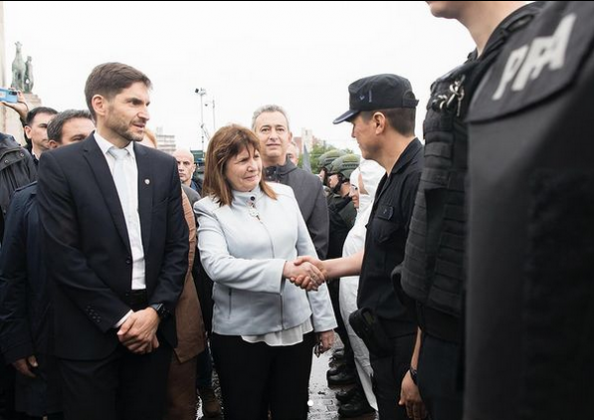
[434, 265]
[531, 225]
[382, 111]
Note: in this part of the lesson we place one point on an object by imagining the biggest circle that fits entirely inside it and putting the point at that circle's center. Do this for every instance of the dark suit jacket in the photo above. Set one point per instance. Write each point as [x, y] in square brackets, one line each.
[24, 300]
[85, 237]
[309, 194]
[25, 309]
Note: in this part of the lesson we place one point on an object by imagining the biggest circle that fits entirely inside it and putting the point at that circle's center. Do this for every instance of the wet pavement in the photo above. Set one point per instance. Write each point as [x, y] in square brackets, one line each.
[323, 404]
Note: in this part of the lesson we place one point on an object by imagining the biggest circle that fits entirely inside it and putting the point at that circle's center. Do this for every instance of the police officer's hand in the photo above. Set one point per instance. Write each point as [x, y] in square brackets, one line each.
[26, 366]
[411, 398]
[307, 258]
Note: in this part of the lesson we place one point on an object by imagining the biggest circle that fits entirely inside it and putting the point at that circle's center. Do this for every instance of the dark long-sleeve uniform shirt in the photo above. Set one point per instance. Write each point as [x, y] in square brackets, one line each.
[385, 242]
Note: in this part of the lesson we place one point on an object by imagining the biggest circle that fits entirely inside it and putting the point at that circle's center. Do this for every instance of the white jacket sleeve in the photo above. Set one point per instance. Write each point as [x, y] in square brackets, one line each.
[321, 307]
[257, 275]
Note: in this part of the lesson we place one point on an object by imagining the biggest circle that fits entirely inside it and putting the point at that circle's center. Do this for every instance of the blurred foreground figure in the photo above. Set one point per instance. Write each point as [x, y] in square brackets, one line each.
[531, 225]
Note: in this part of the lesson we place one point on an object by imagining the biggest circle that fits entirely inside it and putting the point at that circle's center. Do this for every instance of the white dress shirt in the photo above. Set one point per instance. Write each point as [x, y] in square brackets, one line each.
[132, 218]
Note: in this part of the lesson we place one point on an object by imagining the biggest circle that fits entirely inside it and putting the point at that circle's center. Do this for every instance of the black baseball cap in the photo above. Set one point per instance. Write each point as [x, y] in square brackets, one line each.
[382, 91]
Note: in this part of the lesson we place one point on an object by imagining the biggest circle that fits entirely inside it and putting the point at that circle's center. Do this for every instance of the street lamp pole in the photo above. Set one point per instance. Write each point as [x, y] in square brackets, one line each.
[201, 92]
[214, 123]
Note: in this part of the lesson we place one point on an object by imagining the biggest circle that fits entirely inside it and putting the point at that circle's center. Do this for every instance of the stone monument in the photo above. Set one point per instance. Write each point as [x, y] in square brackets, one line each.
[18, 69]
[22, 80]
[28, 75]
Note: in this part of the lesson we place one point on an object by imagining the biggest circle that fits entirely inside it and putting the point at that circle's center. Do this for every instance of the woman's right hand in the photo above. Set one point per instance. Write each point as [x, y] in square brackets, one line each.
[305, 275]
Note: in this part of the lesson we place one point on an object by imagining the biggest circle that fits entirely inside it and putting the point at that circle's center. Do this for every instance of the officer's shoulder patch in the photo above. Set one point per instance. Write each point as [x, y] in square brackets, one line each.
[538, 62]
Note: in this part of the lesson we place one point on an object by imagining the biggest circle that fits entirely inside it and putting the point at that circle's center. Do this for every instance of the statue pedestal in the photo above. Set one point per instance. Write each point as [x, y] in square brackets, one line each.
[33, 100]
[12, 123]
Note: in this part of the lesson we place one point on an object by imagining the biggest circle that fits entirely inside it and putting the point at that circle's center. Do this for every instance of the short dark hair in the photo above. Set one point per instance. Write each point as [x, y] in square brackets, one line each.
[226, 143]
[400, 119]
[109, 79]
[54, 128]
[39, 110]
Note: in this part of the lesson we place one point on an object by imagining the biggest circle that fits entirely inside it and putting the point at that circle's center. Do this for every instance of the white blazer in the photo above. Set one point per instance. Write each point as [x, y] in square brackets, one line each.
[243, 249]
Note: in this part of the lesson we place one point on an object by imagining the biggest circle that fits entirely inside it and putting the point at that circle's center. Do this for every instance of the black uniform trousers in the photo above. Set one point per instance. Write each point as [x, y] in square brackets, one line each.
[438, 378]
[388, 372]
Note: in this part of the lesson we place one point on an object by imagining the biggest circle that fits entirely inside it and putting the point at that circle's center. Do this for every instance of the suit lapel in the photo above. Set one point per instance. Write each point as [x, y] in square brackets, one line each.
[105, 182]
[145, 193]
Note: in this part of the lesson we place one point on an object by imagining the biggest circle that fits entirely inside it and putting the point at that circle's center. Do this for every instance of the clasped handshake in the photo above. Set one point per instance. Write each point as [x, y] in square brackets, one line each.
[305, 272]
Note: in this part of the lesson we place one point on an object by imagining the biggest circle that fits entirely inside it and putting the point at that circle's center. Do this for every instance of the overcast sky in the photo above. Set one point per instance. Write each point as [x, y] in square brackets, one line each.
[300, 55]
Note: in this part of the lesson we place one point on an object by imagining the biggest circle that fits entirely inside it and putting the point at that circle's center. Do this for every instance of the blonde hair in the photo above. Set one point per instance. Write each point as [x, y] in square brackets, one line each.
[150, 136]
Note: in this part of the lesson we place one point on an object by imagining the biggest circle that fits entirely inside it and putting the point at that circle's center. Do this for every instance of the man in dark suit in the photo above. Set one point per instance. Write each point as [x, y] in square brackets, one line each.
[112, 218]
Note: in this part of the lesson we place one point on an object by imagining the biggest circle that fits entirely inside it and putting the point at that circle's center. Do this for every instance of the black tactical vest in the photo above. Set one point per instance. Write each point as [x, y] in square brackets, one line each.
[530, 299]
[434, 264]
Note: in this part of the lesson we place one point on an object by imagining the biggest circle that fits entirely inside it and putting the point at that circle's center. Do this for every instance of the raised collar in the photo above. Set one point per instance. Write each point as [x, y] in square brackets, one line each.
[242, 198]
[272, 173]
[413, 148]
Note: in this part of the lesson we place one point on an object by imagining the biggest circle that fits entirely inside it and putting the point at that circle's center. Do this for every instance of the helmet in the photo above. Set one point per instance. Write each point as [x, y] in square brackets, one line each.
[345, 165]
[325, 160]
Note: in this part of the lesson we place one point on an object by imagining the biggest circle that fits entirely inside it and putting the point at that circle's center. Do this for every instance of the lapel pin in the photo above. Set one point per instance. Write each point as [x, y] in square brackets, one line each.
[147, 181]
